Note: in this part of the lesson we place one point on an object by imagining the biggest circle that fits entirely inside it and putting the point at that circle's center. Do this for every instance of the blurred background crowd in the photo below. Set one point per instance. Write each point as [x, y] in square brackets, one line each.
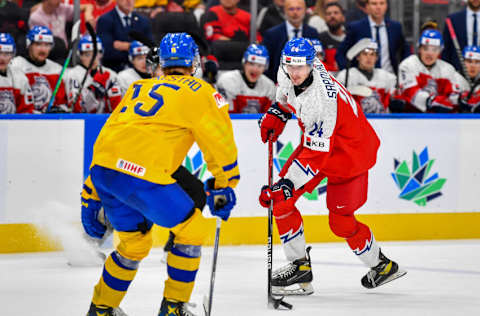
[392, 55]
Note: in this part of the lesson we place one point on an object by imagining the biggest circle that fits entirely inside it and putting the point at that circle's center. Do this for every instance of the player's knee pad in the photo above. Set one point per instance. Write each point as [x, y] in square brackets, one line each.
[134, 245]
[343, 226]
[191, 231]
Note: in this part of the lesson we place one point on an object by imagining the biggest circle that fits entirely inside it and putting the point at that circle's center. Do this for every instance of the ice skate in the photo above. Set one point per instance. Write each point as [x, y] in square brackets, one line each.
[386, 271]
[173, 308]
[105, 311]
[294, 278]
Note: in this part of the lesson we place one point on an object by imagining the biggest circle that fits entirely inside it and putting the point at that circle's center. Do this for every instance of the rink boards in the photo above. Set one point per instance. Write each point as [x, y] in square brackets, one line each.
[425, 184]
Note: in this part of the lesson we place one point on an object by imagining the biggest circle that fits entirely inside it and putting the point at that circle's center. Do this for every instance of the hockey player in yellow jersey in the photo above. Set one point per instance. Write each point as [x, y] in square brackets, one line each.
[142, 143]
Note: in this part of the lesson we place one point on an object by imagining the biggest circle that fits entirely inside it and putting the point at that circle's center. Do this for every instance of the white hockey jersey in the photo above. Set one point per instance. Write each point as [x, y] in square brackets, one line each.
[417, 83]
[373, 94]
[88, 102]
[337, 139]
[126, 77]
[42, 80]
[241, 97]
[15, 92]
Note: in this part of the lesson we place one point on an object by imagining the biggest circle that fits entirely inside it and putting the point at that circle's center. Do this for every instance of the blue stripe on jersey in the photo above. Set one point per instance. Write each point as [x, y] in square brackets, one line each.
[234, 177]
[86, 188]
[114, 283]
[181, 275]
[230, 167]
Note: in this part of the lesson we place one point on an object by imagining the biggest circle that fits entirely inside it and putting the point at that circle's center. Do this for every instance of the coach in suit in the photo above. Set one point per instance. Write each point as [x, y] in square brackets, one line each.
[113, 28]
[387, 33]
[466, 24]
[276, 37]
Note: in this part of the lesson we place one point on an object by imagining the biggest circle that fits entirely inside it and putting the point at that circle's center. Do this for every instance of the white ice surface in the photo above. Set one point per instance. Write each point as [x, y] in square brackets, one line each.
[443, 279]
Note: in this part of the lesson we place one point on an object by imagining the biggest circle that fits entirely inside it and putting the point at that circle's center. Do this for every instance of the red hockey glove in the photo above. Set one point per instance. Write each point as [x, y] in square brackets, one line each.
[279, 192]
[273, 122]
[99, 84]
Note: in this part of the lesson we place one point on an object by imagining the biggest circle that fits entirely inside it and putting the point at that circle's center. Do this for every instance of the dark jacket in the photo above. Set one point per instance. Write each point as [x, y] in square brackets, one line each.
[459, 23]
[397, 46]
[275, 39]
[110, 29]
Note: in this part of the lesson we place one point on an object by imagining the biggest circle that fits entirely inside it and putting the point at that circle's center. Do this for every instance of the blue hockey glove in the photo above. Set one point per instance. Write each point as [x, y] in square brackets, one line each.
[220, 201]
[93, 216]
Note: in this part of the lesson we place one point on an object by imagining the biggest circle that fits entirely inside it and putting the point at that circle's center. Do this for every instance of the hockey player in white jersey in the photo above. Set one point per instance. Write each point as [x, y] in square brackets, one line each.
[42, 73]
[337, 142]
[371, 87]
[469, 101]
[137, 55]
[101, 92]
[248, 90]
[15, 92]
[427, 83]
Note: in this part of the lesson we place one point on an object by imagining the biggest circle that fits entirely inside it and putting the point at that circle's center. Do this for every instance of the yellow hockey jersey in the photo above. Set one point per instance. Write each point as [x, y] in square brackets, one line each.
[151, 130]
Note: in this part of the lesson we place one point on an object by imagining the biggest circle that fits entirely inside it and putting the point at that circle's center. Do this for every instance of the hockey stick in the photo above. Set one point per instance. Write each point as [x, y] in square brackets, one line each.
[73, 42]
[207, 301]
[272, 301]
[457, 49]
[93, 35]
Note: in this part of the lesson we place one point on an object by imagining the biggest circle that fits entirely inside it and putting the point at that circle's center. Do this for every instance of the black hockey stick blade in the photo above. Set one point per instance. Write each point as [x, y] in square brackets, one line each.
[276, 303]
[142, 38]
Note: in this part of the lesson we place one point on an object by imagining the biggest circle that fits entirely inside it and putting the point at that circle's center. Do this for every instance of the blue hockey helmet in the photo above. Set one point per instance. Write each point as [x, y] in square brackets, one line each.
[257, 54]
[40, 34]
[298, 51]
[7, 44]
[317, 45]
[431, 37]
[471, 52]
[85, 44]
[178, 50]
[136, 49]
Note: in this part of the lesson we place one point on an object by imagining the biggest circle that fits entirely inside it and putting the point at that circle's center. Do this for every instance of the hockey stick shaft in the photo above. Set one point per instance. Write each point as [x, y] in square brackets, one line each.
[93, 35]
[208, 303]
[453, 35]
[271, 301]
[65, 64]
[270, 219]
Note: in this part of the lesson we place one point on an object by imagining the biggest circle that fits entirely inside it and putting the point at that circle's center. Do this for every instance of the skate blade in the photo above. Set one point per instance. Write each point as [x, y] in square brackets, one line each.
[394, 276]
[294, 289]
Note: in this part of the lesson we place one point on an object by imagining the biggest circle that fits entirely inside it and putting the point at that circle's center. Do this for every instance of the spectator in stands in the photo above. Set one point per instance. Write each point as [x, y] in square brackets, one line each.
[466, 24]
[358, 12]
[99, 8]
[137, 55]
[15, 92]
[317, 19]
[270, 16]
[333, 37]
[226, 22]
[42, 73]
[14, 20]
[151, 8]
[427, 83]
[101, 92]
[371, 87]
[469, 101]
[386, 32]
[113, 28]
[54, 14]
[276, 37]
[248, 90]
